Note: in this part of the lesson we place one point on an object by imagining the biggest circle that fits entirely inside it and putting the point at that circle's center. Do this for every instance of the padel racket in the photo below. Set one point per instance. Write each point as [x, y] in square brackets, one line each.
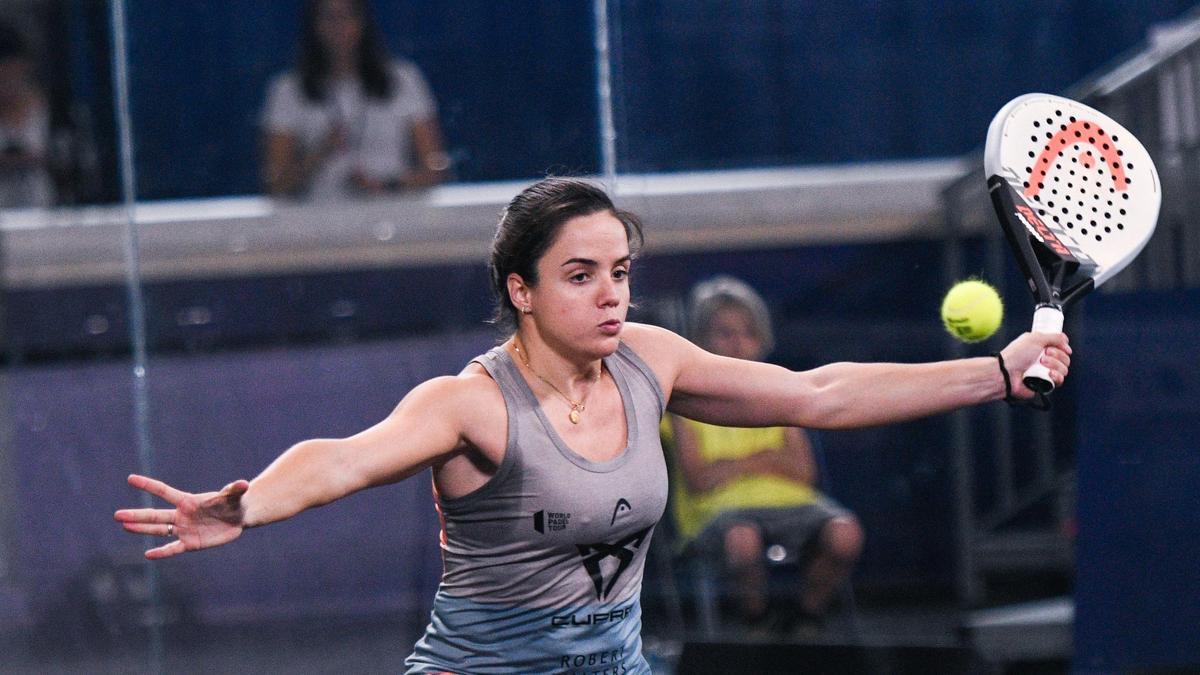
[1077, 196]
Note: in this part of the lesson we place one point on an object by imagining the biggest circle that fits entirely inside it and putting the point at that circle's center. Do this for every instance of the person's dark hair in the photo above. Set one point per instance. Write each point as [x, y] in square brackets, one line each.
[374, 63]
[531, 223]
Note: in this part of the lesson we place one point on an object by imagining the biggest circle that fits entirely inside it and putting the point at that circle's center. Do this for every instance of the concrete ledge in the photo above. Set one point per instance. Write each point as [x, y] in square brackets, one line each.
[239, 236]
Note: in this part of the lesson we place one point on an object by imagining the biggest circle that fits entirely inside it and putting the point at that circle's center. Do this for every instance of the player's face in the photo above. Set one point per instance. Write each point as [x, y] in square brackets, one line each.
[582, 294]
[732, 333]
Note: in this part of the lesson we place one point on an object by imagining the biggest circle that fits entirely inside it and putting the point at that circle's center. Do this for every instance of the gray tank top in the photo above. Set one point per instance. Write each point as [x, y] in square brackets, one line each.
[543, 563]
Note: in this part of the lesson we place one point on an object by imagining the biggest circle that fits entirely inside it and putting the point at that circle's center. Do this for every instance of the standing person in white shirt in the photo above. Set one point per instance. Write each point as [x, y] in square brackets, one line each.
[349, 120]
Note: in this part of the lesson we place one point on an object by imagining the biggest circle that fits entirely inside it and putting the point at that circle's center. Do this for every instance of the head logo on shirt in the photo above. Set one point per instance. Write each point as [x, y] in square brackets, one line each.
[621, 507]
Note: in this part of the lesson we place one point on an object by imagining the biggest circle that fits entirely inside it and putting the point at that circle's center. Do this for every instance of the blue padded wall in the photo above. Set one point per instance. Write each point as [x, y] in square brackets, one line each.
[1137, 603]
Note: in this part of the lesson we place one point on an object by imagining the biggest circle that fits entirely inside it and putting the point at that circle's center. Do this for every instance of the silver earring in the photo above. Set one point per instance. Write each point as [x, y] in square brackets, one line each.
[526, 310]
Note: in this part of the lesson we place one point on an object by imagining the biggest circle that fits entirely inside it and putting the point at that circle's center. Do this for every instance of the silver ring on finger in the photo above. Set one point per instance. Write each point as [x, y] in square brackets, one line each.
[170, 529]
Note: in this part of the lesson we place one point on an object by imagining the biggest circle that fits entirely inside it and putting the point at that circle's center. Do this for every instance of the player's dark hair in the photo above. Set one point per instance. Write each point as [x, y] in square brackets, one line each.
[531, 223]
[374, 64]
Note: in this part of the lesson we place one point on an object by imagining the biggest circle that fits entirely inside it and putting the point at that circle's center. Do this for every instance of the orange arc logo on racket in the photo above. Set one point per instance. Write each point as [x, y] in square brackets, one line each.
[1080, 132]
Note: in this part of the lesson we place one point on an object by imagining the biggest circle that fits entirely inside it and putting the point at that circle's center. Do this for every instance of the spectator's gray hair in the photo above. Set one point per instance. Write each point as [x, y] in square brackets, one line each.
[725, 291]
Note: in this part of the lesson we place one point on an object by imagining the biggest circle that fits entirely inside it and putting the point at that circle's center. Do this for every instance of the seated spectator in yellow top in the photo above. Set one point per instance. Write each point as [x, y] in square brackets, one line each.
[349, 120]
[746, 496]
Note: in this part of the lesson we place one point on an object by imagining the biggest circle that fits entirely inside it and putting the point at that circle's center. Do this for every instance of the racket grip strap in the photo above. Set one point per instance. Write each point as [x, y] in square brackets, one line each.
[1039, 402]
[1008, 396]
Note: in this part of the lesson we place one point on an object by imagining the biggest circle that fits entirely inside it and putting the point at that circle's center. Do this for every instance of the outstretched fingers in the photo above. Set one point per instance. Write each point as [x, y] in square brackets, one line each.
[156, 488]
[145, 516]
[152, 529]
[235, 489]
[197, 521]
[166, 550]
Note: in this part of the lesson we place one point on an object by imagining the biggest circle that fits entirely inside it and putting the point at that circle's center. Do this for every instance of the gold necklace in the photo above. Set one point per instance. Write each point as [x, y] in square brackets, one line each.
[577, 407]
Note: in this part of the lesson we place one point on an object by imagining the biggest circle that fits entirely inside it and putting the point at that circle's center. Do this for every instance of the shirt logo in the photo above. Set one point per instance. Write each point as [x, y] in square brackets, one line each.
[623, 551]
[553, 521]
[622, 506]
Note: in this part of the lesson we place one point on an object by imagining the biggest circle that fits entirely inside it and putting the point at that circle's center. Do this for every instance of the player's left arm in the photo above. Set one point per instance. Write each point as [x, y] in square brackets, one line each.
[733, 392]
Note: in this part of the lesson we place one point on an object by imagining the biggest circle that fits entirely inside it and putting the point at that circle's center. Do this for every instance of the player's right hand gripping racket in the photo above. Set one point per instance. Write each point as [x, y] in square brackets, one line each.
[1077, 196]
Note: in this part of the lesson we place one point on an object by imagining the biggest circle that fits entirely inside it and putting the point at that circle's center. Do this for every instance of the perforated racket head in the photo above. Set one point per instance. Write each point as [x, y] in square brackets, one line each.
[1091, 182]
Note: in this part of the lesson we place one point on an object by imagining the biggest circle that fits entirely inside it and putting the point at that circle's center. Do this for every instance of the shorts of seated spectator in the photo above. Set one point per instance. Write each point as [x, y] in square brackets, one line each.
[793, 528]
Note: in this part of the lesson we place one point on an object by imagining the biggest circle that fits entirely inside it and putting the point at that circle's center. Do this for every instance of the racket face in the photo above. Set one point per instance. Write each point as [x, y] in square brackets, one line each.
[1090, 183]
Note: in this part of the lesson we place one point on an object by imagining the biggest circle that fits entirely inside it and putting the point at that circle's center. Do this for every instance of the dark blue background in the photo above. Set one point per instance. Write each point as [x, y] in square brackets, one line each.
[1137, 605]
[713, 83]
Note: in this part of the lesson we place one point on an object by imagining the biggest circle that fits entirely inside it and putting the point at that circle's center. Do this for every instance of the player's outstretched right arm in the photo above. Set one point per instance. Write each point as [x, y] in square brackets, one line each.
[423, 428]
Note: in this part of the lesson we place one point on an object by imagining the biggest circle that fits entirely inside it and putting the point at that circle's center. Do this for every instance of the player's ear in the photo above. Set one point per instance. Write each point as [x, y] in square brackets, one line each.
[519, 293]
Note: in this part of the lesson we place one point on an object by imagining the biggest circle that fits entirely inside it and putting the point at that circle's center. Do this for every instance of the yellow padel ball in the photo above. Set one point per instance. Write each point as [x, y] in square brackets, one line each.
[972, 310]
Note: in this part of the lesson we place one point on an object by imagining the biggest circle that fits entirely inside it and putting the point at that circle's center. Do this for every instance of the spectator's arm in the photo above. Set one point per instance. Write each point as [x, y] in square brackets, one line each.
[701, 475]
[795, 461]
[433, 164]
[287, 169]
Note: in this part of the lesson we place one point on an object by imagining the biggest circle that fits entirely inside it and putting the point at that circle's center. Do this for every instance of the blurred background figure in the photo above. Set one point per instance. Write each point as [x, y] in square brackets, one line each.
[747, 498]
[25, 177]
[349, 120]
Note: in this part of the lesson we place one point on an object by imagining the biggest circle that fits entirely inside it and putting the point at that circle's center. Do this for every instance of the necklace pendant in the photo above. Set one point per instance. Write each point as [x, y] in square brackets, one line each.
[574, 416]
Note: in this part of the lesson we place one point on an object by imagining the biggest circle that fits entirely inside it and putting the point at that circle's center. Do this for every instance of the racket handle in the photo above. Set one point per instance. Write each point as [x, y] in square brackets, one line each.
[1046, 319]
